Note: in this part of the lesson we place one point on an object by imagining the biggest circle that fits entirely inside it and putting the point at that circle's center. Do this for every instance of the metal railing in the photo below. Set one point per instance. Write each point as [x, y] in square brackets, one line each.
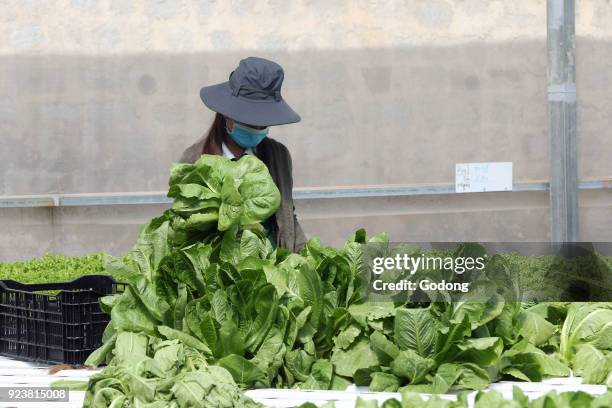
[301, 193]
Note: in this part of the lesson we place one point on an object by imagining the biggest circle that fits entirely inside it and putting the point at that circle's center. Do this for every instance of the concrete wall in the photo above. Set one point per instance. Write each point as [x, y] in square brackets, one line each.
[101, 96]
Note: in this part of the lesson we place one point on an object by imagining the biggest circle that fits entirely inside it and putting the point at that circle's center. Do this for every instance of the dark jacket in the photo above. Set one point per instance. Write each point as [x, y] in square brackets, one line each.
[275, 155]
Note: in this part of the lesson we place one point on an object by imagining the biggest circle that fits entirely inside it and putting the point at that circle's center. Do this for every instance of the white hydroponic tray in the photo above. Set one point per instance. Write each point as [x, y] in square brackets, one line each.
[14, 373]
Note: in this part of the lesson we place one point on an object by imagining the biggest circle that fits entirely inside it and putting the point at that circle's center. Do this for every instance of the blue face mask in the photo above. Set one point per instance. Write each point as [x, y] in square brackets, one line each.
[247, 137]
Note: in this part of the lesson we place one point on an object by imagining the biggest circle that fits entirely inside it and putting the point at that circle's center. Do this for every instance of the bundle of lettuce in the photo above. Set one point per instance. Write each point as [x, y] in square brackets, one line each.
[212, 308]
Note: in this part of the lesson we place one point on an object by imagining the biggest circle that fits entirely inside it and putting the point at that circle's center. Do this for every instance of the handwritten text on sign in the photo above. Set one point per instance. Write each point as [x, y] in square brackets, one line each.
[480, 177]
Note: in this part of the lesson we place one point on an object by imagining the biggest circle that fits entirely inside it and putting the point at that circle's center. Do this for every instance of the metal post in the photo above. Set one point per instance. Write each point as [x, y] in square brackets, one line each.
[562, 121]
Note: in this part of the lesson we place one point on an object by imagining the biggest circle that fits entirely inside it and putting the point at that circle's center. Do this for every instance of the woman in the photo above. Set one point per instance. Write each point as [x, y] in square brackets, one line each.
[247, 105]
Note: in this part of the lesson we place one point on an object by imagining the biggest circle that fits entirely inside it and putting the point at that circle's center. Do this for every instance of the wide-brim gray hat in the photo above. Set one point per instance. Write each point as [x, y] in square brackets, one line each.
[252, 94]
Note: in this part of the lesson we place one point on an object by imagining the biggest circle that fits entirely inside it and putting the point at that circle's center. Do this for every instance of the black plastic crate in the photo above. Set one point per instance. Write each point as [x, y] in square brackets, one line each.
[63, 327]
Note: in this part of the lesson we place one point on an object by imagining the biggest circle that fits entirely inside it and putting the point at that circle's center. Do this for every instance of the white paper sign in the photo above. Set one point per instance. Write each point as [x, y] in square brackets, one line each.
[479, 177]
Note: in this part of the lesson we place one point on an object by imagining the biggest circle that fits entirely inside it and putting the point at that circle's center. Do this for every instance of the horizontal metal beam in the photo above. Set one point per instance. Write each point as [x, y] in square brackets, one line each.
[28, 201]
[396, 191]
[154, 197]
[159, 197]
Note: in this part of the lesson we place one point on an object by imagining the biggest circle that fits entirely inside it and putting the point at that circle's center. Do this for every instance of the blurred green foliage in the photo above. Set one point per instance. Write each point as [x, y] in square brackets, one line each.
[56, 268]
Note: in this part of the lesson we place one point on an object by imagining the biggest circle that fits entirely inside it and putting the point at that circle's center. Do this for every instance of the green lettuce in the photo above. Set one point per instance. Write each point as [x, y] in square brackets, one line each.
[213, 308]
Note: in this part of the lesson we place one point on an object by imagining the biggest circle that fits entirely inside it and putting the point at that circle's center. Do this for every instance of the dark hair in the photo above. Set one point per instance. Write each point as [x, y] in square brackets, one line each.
[216, 133]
